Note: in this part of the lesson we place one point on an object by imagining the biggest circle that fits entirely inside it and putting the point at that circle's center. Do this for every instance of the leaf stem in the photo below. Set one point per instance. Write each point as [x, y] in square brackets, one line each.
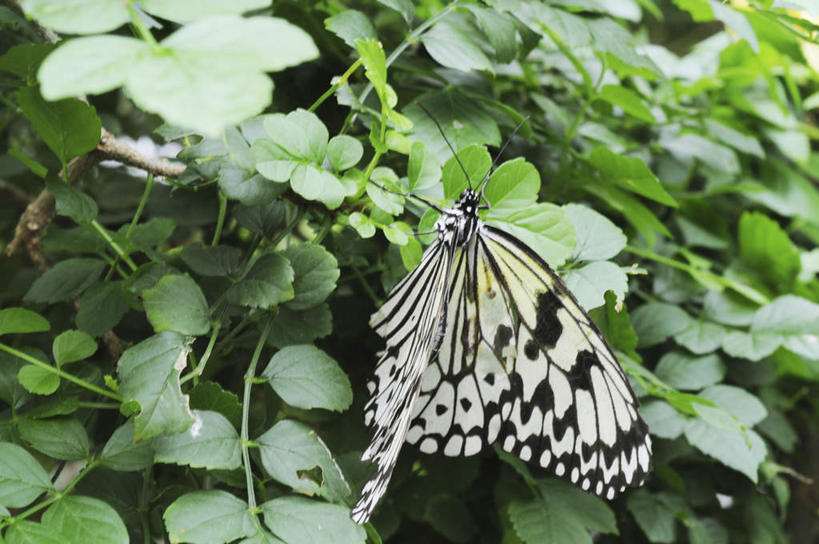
[54, 370]
[149, 184]
[140, 27]
[200, 367]
[251, 372]
[341, 81]
[115, 246]
[220, 221]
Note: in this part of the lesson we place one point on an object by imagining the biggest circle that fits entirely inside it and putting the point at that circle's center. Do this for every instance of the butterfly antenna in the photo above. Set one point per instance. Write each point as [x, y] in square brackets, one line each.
[485, 179]
[441, 130]
[408, 195]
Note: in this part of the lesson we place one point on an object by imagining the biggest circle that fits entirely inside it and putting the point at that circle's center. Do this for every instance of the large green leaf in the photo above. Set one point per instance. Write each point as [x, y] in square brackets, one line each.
[306, 377]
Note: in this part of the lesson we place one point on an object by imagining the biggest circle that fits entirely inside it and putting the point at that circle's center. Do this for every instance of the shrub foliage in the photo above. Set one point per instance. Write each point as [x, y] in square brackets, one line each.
[184, 344]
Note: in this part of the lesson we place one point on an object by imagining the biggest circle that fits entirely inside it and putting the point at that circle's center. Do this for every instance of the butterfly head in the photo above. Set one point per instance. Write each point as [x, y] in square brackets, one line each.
[469, 202]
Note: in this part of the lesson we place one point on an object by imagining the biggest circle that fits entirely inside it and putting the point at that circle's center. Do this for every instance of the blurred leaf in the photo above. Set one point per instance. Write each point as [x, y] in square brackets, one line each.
[653, 516]
[628, 100]
[630, 173]
[766, 248]
[544, 228]
[656, 321]
[795, 320]
[689, 373]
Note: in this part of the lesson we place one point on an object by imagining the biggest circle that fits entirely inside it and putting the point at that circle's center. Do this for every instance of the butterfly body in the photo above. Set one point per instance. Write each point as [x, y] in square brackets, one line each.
[486, 344]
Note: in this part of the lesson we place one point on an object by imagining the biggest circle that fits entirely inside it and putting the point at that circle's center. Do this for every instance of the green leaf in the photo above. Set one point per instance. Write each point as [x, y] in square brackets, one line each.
[514, 185]
[11, 391]
[313, 183]
[746, 407]
[150, 234]
[701, 337]
[423, 169]
[85, 519]
[203, 517]
[268, 282]
[292, 327]
[615, 324]
[742, 452]
[736, 139]
[653, 516]
[211, 260]
[290, 450]
[728, 308]
[71, 346]
[306, 377]
[38, 380]
[752, 346]
[149, 375]
[632, 209]
[663, 420]
[66, 279]
[395, 235]
[210, 442]
[20, 320]
[590, 283]
[362, 224]
[186, 78]
[387, 201]
[454, 46]
[626, 99]
[299, 135]
[344, 152]
[22, 479]
[122, 453]
[411, 253]
[597, 237]
[375, 64]
[101, 307]
[60, 437]
[462, 119]
[176, 303]
[476, 163]
[69, 127]
[795, 320]
[28, 532]
[264, 219]
[72, 203]
[544, 228]
[689, 373]
[24, 59]
[404, 7]
[450, 517]
[766, 248]
[688, 146]
[777, 427]
[499, 29]
[315, 271]
[78, 17]
[211, 396]
[351, 25]
[630, 173]
[181, 11]
[298, 520]
[656, 321]
[91, 65]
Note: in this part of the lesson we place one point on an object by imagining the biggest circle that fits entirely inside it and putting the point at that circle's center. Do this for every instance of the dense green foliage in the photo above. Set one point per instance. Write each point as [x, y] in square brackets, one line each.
[186, 355]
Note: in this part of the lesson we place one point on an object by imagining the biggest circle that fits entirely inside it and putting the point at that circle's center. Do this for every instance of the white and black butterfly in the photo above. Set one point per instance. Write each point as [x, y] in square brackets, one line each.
[486, 344]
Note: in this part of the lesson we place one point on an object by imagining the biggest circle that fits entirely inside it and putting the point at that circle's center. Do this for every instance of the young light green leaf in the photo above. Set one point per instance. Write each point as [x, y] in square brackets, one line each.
[795, 320]
[149, 376]
[590, 283]
[344, 152]
[374, 61]
[289, 448]
[362, 224]
[202, 517]
[21, 320]
[66, 279]
[597, 237]
[299, 520]
[181, 11]
[176, 303]
[513, 186]
[60, 437]
[87, 17]
[351, 25]
[306, 377]
[71, 346]
[22, 479]
[630, 173]
[38, 380]
[211, 442]
[314, 183]
[423, 169]
[269, 282]
[315, 270]
[476, 162]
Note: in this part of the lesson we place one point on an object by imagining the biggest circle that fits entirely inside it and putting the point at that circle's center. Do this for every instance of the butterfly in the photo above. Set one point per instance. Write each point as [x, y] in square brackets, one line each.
[484, 344]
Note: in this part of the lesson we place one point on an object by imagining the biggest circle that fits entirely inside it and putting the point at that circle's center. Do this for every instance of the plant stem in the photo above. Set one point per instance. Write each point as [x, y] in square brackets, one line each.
[341, 81]
[220, 221]
[115, 246]
[54, 370]
[745, 290]
[251, 372]
[196, 372]
[140, 27]
[149, 184]
[592, 93]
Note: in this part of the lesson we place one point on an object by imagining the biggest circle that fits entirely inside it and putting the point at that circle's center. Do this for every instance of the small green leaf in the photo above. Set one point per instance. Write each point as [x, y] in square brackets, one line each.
[351, 25]
[344, 152]
[299, 520]
[514, 185]
[66, 279]
[85, 17]
[69, 127]
[210, 442]
[653, 515]
[86, 519]
[314, 183]
[590, 283]
[203, 517]
[60, 437]
[628, 100]
[306, 377]
[315, 271]
[71, 346]
[22, 479]
[689, 373]
[374, 61]
[211, 260]
[423, 169]
[289, 448]
[362, 224]
[411, 253]
[149, 375]
[630, 173]
[268, 282]
[38, 380]
[657, 321]
[210, 396]
[101, 307]
[455, 46]
[476, 162]
[597, 237]
[615, 324]
[122, 453]
[176, 303]
[72, 203]
[701, 337]
[20, 320]
[291, 327]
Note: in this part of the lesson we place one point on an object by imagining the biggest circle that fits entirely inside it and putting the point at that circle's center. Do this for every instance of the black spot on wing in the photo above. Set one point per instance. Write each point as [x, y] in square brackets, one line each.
[466, 404]
[580, 373]
[489, 378]
[531, 349]
[440, 409]
[548, 328]
[503, 335]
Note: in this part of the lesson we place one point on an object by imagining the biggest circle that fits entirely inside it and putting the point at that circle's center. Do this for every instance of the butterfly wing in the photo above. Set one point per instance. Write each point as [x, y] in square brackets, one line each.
[546, 385]
[409, 321]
